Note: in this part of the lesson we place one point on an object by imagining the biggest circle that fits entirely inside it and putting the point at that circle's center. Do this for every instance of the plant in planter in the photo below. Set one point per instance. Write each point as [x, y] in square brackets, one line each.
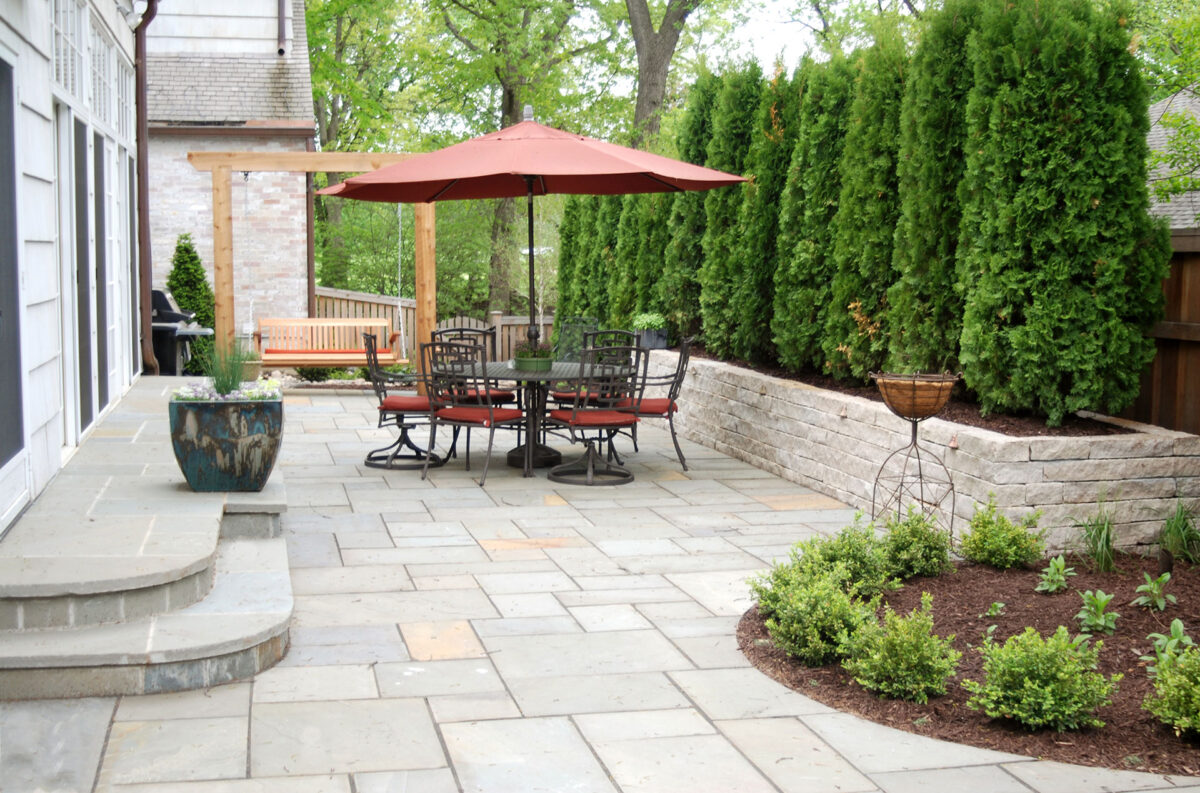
[226, 432]
[533, 357]
[651, 327]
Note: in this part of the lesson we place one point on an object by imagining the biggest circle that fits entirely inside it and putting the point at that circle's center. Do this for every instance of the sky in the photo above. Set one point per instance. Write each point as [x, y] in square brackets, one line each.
[769, 31]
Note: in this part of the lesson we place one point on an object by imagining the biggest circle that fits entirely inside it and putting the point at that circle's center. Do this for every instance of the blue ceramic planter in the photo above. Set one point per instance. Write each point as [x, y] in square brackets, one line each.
[223, 446]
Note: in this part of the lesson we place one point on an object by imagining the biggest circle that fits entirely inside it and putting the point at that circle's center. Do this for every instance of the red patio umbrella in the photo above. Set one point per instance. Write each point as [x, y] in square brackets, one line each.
[528, 159]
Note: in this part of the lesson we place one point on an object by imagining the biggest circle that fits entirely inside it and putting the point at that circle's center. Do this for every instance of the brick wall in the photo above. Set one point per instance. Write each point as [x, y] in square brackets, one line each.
[270, 270]
[835, 444]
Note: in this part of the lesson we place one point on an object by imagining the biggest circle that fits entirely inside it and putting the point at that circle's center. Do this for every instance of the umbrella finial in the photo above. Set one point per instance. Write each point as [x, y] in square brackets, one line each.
[528, 113]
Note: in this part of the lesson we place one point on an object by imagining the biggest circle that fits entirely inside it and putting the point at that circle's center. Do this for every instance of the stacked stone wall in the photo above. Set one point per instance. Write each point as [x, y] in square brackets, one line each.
[835, 443]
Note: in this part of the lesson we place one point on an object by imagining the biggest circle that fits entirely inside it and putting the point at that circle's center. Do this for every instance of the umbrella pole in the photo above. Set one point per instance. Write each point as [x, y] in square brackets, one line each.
[534, 331]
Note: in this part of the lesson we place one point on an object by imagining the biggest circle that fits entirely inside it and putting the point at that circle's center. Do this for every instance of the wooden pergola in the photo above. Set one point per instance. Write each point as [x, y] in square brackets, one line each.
[222, 164]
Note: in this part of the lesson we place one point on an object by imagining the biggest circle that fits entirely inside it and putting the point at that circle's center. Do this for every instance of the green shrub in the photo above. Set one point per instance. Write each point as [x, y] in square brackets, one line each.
[996, 541]
[816, 615]
[1176, 697]
[188, 284]
[1179, 536]
[1042, 683]
[1167, 648]
[1092, 617]
[314, 374]
[903, 658]
[1153, 594]
[1097, 534]
[916, 546]
[1054, 576]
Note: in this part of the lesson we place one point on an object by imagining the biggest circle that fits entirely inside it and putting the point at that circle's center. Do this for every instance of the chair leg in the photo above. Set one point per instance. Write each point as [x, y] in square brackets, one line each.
[432, 437]
[488, 458]
[590, 469]
[675, 440]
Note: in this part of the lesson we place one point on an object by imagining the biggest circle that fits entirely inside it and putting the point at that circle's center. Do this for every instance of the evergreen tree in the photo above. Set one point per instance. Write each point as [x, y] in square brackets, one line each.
[924, 306]
[755, 261]
[580, 300]
[855, 326]
[654, 235]
[809, 204]
[733, 128]
[679, 288]
[622, 280]
[1061, 261]
[601, 256]
[569, 255]
[188, 284]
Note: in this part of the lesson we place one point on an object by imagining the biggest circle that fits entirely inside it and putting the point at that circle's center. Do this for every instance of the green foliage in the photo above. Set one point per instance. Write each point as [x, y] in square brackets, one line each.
[1176, 697]
[188, 284]
[814, 616]
[314, 374]
[226, 367]
[653, 237]
[809, 204]
[601, 259]
[994, 540]
[1054, 576]
[733, 130]
[925, 310]
[1093, 617]
[902, 658]
[1097, 534]
[1060, 262]
[570, 253]
[753, 267]
[1152, 594]
[1167, 647]
[679, 288]
[855, 334]
[1179, 536]
[916, 546]
[996, 609]
[647, 320]
[1042, 683]
[622, 279]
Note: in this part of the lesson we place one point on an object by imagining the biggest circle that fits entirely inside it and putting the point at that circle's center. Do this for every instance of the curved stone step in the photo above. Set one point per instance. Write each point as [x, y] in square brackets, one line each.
[237, 630]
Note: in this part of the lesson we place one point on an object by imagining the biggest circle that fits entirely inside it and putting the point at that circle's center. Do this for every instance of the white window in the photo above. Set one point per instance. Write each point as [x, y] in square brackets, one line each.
[69, 46]
[104, 75]
[125, 103]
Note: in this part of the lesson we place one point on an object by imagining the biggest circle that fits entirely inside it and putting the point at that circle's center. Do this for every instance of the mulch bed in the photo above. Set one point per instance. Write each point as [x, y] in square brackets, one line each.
[1132, 738]
[961, 409]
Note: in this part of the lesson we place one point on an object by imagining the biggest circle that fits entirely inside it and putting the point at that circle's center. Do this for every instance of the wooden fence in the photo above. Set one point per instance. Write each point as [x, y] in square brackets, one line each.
[1170, 395]
[332, 303]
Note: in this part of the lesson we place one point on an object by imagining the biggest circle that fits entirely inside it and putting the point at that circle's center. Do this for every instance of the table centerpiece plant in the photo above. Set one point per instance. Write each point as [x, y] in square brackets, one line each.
[531, 356]
[226, 431]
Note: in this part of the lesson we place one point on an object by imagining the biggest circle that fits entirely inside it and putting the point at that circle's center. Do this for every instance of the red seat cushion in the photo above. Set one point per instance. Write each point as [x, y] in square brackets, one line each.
[660, 406]
[285, 351]
[499, 396]
[469, 415]
[405, 404]
[595, 418]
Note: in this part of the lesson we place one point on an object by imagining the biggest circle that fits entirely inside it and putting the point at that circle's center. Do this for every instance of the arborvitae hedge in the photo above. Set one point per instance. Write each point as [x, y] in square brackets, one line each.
[653, 234]
[1062, 263]
[855, 338]
[679, 289]
[569, 256]
[602, 258]
[809, 204]
[581, 300]
[733, 127]
[924, 307]
[622, 280]
[754, 262]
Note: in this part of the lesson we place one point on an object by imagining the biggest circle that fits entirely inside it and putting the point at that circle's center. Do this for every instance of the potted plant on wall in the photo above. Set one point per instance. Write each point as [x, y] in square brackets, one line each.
[533, 357]
[651, 328]
[226, 432]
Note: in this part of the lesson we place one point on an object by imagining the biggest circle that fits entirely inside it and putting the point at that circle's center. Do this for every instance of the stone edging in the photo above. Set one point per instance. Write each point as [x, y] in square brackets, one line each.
[835, 443]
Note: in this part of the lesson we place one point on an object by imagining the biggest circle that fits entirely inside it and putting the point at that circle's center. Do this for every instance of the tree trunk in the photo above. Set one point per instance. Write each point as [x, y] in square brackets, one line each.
[655, 48]
[504, 247]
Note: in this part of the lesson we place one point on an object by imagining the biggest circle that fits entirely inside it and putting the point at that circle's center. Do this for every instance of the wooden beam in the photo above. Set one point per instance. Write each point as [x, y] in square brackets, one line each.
[222, 191]
[294, 161]
[1181, 331]
[425, 278]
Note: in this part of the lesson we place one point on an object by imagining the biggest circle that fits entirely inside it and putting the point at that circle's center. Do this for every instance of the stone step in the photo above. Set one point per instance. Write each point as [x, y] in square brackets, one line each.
[238, 629]
[135, 554]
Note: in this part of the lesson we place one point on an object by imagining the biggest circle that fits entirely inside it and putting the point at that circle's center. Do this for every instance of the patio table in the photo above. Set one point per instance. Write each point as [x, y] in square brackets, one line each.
[536, 385]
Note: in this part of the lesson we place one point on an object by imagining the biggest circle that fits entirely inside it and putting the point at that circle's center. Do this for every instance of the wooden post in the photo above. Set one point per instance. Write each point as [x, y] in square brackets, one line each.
[426, 275]
[222, 190]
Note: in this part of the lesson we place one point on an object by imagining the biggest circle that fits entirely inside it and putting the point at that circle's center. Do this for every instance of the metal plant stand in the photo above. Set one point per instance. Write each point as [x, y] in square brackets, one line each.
[913, 475]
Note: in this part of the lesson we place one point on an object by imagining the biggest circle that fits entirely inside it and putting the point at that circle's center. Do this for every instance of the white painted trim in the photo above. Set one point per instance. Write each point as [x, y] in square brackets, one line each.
[64, 130]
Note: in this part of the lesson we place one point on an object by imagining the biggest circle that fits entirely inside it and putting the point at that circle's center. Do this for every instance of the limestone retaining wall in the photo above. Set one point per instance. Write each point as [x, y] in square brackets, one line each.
[835, 443]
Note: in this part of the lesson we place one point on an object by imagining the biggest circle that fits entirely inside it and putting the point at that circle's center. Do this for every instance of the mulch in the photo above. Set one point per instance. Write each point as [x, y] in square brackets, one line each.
[1132, 738]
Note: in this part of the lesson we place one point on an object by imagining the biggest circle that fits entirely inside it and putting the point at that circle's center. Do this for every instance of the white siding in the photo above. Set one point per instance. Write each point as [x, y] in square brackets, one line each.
[218, 27]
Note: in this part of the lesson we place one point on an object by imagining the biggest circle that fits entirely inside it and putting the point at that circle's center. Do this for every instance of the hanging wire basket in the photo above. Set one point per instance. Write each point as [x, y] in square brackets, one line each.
[915, 396]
